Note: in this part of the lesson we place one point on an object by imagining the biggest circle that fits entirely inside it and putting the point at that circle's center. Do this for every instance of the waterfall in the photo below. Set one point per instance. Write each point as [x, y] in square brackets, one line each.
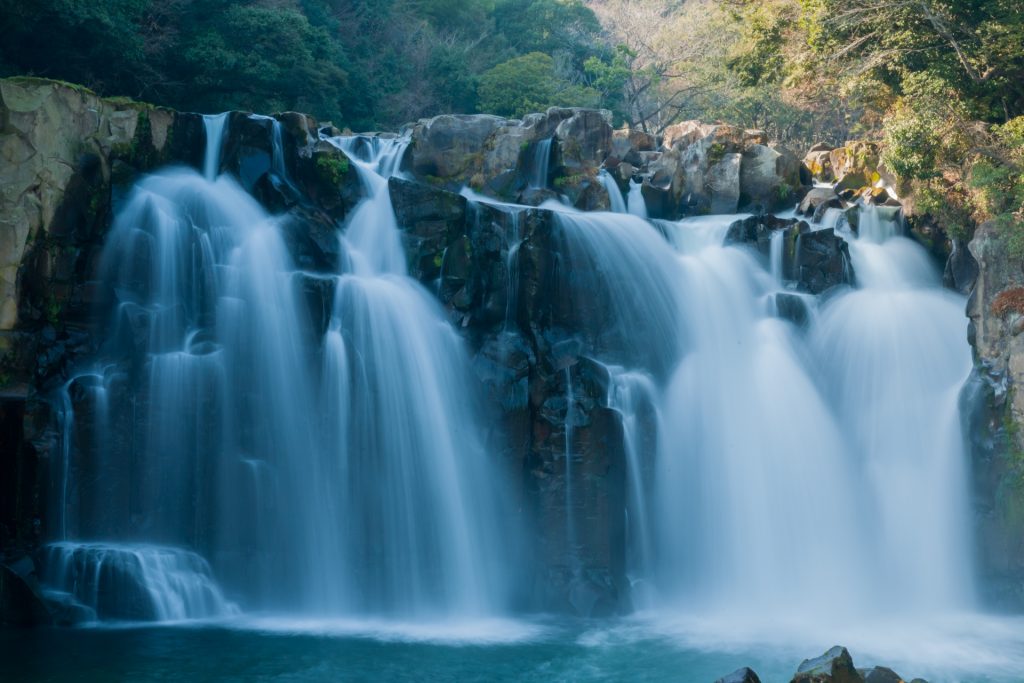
[776, 249]
[135, 582]
[637, 204]
[214, 125]
[618, 204]
[540, 163]
[807, 472]
[336, 471]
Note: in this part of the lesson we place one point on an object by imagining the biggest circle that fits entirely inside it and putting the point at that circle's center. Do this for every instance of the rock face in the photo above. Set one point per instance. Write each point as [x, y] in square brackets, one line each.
[721, 169]
[493, 155]
[996, 311]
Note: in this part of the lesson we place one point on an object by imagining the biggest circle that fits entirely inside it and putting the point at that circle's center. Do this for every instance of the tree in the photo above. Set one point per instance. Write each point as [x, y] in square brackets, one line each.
[528, 84]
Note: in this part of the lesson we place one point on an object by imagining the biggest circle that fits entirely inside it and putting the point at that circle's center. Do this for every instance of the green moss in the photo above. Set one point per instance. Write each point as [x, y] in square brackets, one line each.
[783, 192]
[34, 80]
[52, 309]
[332, 168]
[716, 153]
[568, 180]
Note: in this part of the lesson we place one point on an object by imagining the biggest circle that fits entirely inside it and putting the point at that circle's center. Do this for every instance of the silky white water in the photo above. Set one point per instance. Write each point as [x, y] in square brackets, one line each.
[818, 473]
[335, 471]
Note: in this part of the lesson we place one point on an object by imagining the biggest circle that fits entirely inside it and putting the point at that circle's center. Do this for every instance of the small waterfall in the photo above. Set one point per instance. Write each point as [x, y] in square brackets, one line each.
[540, 164]
[214, 125]
[615, 199]
[279, 175]
[776, 248]
[635, 395]
[636, 202]
[372, 230]
[149, 583]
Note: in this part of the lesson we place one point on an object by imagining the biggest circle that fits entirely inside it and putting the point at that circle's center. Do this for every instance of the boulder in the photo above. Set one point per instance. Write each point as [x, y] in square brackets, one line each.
[854, 180]
[881, 674]
[769, 177]
[584, 137]
[792, 307]
[835, 666]
[744, 675]
[819, 163]
[21, 603]
[722, 183]
[817, 197]
[856, 156]
[445, 146]
[822, 261]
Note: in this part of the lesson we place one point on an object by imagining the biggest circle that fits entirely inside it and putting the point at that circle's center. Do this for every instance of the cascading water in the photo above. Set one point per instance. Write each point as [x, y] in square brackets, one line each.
[788, 463]
[540, 164]
[214, 125]
[637, 205]
[337, 472]
[615, 200]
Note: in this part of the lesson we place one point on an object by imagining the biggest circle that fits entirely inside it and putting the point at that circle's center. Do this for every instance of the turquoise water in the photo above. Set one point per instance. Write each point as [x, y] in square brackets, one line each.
[625, 650]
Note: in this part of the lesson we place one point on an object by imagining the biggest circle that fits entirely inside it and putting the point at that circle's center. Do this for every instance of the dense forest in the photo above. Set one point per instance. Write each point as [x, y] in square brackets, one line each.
[941, 81]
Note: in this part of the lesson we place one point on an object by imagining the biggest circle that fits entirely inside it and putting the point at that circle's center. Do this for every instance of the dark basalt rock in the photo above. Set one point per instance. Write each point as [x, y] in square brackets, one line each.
[835, 666]
[431, 219]
[744, 675]
[881, 674]
[21, 603]
[822, 261]
[962, 269]
[793, 308]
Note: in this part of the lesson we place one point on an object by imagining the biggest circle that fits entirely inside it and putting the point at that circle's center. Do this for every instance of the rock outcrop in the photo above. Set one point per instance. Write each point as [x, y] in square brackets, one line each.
[816, 260]
[996, 311]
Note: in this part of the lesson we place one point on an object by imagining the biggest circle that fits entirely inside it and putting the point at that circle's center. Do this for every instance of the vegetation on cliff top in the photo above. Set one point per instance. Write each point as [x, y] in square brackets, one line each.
[940, 81]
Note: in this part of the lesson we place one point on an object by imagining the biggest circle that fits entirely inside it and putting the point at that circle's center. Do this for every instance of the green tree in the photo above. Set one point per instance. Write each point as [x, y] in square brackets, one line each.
[527, 84]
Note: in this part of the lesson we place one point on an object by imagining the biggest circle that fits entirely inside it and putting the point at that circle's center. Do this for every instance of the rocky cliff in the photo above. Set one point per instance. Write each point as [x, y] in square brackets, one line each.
[69, 156]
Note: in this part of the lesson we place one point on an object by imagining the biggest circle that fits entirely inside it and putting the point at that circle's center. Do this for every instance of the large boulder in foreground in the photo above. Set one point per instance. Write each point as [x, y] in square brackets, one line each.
[835, 666]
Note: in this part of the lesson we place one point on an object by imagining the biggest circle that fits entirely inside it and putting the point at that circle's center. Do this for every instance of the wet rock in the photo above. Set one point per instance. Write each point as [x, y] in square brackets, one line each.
[792, 307]
[881, 674]
[819, 196]
[21, 603]
[835, 666]
[744, 675]
[431, 220]
[757, 231]
[822, 261]
[995, 310]
[961, 269]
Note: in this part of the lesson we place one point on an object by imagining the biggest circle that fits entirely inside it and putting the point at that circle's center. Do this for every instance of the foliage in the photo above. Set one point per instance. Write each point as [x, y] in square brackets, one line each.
[528, 84]
[362, 63]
